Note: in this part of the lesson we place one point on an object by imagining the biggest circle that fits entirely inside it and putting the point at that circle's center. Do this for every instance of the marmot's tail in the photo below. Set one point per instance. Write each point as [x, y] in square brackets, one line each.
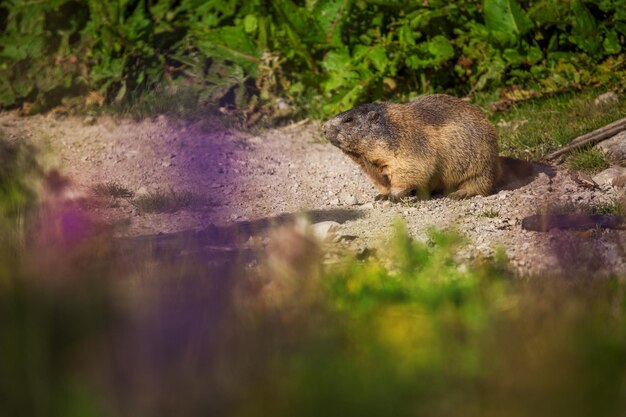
[513, 172]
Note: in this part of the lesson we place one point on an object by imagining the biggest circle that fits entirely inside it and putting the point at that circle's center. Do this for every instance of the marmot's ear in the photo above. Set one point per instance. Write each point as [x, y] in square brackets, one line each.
[372, 116]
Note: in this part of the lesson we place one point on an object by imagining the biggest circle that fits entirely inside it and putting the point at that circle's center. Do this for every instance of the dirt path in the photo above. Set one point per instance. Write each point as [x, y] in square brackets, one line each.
[290, 170]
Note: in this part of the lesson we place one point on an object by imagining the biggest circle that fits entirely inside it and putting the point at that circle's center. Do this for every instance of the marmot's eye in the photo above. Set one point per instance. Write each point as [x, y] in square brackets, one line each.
[348, 119]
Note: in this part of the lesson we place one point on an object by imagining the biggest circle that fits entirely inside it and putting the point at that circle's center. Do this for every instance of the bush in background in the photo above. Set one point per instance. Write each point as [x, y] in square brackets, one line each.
[318, 55]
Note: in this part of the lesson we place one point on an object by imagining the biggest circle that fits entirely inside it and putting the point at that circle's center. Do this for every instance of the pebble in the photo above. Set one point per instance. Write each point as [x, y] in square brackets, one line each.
[351, 200]
[325, 231]
[605, 178]
[142, 192]
[614, 149]
[606, 98]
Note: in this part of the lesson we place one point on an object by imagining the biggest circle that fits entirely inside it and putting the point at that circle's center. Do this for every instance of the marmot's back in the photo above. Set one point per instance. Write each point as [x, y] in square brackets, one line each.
[436, 142]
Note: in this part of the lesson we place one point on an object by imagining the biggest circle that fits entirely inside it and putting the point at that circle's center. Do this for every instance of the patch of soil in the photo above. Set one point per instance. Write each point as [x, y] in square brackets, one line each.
[243, 177]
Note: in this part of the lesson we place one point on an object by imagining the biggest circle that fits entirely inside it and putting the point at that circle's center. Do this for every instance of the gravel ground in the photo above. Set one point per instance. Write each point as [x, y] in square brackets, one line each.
[243, 177]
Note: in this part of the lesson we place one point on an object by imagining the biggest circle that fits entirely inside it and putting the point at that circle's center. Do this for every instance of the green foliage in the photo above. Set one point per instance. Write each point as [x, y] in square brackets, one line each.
[322, 56]
[588, 159]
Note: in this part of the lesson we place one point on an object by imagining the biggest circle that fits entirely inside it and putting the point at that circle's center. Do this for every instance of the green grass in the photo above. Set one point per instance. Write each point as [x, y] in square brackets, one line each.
[490, 214]
[168, 201]
[112, 189]
[435, 337]
[588, 159]
[613, 207]
[530, 130]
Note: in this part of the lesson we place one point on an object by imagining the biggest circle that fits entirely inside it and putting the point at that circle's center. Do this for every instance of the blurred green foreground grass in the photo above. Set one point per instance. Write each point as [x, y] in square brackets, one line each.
[193, 337]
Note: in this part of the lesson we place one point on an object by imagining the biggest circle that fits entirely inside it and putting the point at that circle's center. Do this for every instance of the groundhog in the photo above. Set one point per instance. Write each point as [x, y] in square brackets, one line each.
[437, 143]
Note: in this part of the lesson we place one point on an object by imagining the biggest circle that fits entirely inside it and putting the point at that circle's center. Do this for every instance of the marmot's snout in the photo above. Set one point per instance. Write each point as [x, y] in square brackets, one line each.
[331, 131]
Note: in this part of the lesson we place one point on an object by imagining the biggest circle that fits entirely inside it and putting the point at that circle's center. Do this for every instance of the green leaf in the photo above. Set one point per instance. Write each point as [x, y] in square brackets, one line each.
[378, 58]
[585, 32]
[493, 73]
[432, 53]
[506, 16]
[232, 43]
[121, 93]
[336, 60]
[250, 23]
[7, 97]
[611, 43]
[329, 16]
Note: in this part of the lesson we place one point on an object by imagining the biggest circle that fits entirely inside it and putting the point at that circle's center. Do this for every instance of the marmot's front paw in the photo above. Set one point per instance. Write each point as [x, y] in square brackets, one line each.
[460, 195]
[381, 197]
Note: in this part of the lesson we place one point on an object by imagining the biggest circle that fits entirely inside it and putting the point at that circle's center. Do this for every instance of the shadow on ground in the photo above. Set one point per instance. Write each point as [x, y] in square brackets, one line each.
[222, 241]
[518, 173]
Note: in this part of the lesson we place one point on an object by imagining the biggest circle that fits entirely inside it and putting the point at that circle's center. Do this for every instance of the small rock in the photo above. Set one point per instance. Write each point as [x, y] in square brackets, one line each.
[325, 231]
[282, 105]
[334, 202]
[542, 176]
[606, 98]
[606, 177]
[614, 149]
[166, 164]
[255, 140]
[386, 203]
[368, 206]
[142, 192]
[350, 200]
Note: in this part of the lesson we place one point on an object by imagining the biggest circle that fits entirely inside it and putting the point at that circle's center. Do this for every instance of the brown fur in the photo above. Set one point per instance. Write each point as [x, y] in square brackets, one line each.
[435, 143]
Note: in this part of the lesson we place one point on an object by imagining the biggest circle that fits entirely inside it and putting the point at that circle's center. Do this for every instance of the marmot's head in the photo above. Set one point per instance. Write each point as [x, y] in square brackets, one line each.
[357, 130]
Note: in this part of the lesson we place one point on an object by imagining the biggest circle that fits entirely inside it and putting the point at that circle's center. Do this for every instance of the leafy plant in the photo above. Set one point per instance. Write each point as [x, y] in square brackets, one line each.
[316, 57]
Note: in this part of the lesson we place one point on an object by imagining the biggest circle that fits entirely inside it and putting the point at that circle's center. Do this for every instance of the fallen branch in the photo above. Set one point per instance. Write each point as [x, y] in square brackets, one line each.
[596, 136]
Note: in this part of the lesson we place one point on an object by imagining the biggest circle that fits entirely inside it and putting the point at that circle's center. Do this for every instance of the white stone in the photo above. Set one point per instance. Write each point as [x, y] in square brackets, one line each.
[606, 177]
[606, 98]
[142, 192]
[325, 231]
[614, 149]
[350, 200]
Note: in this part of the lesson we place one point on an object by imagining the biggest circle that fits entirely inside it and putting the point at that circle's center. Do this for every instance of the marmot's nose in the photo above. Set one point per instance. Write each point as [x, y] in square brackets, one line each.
[325, 128]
